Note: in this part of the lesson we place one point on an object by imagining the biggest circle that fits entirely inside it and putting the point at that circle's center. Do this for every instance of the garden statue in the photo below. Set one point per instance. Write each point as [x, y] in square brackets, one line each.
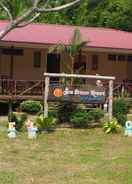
[12, 130]
[32, 130]
[128, 128]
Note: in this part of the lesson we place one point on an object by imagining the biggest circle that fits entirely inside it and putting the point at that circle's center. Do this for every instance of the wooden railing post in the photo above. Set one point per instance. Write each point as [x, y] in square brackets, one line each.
[15, 88]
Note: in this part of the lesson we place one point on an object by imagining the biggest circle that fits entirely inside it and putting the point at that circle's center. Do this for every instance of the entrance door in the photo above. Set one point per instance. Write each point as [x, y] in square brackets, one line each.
[53, 65]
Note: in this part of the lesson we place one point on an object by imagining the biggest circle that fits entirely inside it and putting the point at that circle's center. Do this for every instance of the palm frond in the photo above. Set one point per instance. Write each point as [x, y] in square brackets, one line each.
[77, 38]
[57, 48]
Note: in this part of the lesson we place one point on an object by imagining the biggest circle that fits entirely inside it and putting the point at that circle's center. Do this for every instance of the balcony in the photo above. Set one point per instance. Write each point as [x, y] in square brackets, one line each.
[21, 89]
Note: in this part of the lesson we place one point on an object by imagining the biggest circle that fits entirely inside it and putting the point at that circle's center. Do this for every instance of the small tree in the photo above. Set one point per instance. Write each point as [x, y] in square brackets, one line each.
[31, 11]
[75, 46]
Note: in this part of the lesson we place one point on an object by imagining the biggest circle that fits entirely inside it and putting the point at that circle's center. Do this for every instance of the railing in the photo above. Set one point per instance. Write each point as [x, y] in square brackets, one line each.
[121, 89]
[21, 87]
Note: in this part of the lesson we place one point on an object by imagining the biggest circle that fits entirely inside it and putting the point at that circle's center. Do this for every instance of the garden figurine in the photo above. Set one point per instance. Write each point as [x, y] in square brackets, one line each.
[32, 130]
[128, 128]
[12, 130]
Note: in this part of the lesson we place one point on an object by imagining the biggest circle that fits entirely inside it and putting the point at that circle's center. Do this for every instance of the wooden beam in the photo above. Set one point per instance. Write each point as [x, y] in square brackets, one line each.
[11, 66]
[64, 75]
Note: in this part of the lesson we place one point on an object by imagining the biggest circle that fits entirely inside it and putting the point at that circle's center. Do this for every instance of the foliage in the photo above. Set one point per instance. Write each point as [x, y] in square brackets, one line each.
[96, 114]
[120, 110]
[30, 106]
[122, 118]
[120, 106]
[74, 47]
[107, 13]
[65, 111]
[112, 13]
[112, 126]
[18, 118]
[15, 7]
[81, 118]
[46, 123]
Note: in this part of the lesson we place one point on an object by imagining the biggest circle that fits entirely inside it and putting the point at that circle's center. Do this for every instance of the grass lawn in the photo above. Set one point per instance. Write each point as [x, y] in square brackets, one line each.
[67, 156]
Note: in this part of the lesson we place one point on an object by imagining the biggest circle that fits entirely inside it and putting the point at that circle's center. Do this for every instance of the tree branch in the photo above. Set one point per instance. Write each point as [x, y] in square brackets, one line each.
[29, 21]
[21, 20]
[58, 8]
[6, 10]
[35, 3]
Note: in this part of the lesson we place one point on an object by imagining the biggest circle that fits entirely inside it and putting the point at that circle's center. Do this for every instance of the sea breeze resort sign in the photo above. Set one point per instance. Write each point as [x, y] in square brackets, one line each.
[85, 94]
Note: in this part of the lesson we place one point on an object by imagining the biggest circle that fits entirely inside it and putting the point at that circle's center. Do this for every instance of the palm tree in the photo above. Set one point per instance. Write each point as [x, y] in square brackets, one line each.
[75, 46]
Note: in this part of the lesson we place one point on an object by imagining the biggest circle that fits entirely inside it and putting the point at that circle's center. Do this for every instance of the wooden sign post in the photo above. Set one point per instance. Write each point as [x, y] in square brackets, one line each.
[110, 110]
[63, 75]
[46, 91]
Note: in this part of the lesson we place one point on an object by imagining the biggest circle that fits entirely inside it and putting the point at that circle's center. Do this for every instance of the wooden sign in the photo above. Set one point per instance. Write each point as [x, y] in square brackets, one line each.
[85, 94]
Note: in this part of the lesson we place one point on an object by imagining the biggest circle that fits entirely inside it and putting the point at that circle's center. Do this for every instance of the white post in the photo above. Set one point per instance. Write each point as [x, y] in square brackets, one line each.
[110, 99]
[46, 91]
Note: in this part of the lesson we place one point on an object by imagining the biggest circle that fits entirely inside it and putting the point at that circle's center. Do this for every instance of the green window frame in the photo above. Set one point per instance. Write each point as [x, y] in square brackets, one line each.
[95, 62]
[37, 59]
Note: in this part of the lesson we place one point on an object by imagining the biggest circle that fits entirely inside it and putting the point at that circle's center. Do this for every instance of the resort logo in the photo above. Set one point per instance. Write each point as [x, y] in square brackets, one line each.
[58, 92]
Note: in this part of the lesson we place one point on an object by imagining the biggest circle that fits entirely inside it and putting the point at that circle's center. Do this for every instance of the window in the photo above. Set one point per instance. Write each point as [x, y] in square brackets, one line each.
[129, 58]
[37, 59]
[121, 57]
[95, 61]
[12, 51]
[112, 57]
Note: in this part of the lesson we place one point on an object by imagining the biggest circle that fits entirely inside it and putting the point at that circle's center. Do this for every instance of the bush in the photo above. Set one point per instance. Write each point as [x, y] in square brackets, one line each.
[120, 110]
[122, 118]
[120, 106]
[79, 118]
[65, 111]
[18, 118]
[96, 114]
[30, 106]
[48, 124]
[112, 126]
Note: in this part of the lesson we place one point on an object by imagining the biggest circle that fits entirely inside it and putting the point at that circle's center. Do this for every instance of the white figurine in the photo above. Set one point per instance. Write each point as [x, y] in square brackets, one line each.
[32, 130]
[12, 130]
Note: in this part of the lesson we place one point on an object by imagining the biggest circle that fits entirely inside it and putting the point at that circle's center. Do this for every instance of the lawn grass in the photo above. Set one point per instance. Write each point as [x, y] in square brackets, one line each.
[67, 156]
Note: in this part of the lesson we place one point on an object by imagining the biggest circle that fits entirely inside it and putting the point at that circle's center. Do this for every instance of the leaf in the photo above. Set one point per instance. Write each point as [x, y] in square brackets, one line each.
[108, 130]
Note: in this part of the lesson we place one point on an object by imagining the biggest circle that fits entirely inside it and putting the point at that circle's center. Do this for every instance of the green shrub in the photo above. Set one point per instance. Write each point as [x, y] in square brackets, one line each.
[79, 118]
[121, 118]
[112, 126]
[18, 118]
[30, 106]
[65, 111]
[120, 110]
[48, 124]
[120, 106]
[96, 114]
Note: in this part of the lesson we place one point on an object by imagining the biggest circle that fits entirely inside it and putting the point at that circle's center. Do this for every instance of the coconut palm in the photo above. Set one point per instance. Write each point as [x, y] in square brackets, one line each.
[75, 46]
